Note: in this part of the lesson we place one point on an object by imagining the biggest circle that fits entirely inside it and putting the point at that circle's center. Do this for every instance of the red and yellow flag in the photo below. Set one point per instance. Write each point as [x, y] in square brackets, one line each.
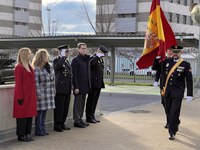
[159, 37]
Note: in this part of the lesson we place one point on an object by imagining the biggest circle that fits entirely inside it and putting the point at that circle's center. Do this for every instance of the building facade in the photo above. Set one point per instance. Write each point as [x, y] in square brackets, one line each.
[20, 17]
[130, 16]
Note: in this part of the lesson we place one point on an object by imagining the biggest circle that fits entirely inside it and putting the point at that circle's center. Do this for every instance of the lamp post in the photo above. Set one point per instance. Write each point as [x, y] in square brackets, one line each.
[49, 20]
[195, 16]
[54, 27]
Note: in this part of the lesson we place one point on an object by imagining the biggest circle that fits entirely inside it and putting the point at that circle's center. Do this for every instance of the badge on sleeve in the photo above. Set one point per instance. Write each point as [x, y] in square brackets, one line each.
[190, 69]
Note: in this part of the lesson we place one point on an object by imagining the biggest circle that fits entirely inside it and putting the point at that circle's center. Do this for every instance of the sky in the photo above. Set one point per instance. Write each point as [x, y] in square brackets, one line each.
[67, 16]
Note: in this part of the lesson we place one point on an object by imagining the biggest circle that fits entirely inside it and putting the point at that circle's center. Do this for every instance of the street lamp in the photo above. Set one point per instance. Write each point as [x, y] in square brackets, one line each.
[54, 28]
[49, 19]
[195, 16]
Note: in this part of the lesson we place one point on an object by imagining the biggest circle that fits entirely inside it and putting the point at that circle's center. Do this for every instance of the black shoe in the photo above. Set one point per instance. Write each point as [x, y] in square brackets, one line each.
[58, 129]
[39, 134]
[98, 121]
[171, 137]
[79, 125]
[22, 138]
[28, 137]
[91, 121]
[85, 123]
[64, 127]
[166, 126]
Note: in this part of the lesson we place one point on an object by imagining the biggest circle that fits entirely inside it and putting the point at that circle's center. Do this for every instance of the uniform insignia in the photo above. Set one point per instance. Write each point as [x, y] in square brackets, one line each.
[181, 67]
[180, 70]
[190, 69]
[167, 65]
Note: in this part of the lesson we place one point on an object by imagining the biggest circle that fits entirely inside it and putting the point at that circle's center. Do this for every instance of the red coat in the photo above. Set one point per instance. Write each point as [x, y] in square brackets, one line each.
[25, 89]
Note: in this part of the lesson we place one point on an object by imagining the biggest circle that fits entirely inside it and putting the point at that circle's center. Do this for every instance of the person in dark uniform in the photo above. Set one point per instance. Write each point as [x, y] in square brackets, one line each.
[81, 84]
[177, 71]
[63, 74]
[157, 66]
[96, 74]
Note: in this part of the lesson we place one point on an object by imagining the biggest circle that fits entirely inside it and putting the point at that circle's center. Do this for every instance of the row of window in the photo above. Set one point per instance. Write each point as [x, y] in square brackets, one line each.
[21, 23]
[185, 2]
[126, 15]
[177, 19]
[20, 9]
[170, 19]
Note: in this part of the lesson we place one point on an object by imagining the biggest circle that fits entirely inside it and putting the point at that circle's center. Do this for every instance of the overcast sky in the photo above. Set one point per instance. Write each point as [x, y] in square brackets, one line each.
[69, 14]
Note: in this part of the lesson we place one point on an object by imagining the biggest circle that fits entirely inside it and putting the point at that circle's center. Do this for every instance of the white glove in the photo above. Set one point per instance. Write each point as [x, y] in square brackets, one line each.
[189, 99]
[158, 57]
[155, 84]
[100, 55]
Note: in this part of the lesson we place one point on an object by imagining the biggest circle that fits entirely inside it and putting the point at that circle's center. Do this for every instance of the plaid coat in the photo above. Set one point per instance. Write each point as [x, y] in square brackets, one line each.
[45, 88]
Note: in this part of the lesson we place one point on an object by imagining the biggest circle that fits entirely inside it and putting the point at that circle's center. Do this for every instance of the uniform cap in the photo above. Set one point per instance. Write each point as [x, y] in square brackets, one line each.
[63, 47]
[103, 49]
[176, 49]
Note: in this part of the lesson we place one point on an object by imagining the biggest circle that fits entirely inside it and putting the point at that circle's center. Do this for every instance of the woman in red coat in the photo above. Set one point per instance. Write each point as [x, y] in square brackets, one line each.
[24, 95]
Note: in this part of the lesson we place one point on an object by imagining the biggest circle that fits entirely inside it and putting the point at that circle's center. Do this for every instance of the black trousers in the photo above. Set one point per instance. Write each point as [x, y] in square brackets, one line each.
[92, 101]
[24, 126]
[163, 102]
[62, 102]
[173, 107]
[79, 104]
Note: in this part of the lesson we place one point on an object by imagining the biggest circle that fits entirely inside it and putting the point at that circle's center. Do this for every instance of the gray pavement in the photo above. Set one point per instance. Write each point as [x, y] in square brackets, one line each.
[136, 128]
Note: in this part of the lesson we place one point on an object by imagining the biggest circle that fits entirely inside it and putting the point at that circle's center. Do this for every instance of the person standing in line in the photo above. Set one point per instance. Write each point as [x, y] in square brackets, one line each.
[96, 74]
[157, 66]
[63, 74]
[177, 72]
[45, 88]
[25, 100]
[81, 84]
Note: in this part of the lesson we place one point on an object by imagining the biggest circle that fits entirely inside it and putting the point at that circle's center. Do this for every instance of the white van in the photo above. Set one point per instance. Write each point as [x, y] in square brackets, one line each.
[145, 72]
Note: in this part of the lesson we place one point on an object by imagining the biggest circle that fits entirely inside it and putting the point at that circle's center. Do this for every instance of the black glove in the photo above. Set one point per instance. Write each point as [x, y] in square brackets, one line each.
[20, 101]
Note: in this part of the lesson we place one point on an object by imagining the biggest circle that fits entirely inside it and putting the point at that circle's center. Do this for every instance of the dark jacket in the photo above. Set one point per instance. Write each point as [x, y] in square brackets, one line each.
[63, 74]
[97, 71]
[81, 73]
[176, 84]
[159, 68]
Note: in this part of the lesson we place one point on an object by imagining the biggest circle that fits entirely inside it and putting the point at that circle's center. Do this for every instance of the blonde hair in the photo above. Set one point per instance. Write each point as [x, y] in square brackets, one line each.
[41, 58]
[23, 58]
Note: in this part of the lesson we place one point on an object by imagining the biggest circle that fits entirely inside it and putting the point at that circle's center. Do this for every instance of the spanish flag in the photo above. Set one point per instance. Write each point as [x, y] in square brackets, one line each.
[159, 37]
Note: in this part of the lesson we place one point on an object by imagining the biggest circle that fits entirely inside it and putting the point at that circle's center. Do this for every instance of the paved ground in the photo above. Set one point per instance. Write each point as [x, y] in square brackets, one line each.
[137, 128]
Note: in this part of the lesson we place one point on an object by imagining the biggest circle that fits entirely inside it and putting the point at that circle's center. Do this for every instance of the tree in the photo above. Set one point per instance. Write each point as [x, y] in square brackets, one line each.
[103, 22]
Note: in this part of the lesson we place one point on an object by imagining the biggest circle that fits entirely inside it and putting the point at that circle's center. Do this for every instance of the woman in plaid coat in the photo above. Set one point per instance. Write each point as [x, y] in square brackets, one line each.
[45, 89]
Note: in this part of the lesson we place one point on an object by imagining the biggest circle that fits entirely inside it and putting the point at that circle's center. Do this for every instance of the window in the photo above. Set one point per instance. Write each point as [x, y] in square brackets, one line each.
[178, 1]
[184, 19]
[191, 22]
[170, 17]
[185, 2]
[177, 18]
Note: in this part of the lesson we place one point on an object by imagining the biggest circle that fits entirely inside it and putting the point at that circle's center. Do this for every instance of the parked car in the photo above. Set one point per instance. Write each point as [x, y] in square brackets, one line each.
[145, 72]
[6, 70]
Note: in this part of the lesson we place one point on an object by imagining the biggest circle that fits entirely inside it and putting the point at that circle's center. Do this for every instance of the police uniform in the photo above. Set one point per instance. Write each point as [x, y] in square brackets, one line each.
[175, 90]
[96, 72]
[63, 74]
